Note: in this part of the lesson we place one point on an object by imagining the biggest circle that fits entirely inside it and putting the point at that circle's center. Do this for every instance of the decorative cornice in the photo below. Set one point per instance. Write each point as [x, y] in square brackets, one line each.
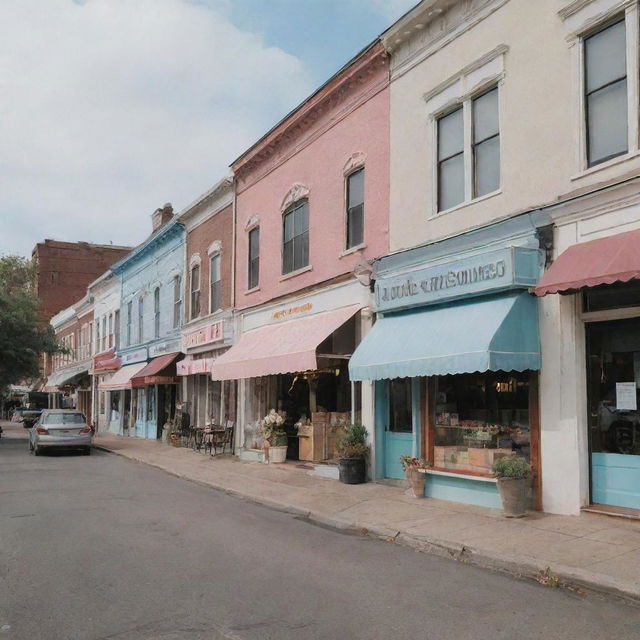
[356, 161]
[353, 85]
[214, 247]
[194, 260]
[297, 192]
[173, 229]
[251, 222]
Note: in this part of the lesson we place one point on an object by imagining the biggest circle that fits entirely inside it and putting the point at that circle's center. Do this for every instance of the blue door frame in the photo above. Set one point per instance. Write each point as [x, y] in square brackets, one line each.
[389, 445]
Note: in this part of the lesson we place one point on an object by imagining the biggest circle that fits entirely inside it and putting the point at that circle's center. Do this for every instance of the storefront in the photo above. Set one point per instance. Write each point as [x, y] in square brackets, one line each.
[597, 282]
[70, 388]
[207, 401]
[155, 390]
[104, 366]
[293, 357]
[454, 356]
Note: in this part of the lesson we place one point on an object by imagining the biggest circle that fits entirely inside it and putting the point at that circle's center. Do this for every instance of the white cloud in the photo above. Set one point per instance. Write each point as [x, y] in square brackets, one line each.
[112, 107]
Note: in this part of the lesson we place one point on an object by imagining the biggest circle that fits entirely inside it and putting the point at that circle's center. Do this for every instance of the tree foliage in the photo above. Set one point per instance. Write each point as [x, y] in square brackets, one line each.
[22, 335]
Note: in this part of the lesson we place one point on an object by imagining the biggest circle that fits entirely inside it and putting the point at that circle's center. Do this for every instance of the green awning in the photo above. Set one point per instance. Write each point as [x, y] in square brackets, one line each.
[483, 334]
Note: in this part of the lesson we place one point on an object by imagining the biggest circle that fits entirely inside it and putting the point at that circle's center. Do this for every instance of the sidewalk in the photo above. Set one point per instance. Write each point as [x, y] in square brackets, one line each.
[593, 551]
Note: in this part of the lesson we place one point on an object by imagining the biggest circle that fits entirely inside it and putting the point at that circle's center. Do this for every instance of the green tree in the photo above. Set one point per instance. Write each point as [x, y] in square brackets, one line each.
[23, 336]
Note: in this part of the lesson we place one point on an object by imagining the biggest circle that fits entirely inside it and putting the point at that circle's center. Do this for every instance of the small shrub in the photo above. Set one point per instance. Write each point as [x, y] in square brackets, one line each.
[511, 467]
[409, 462]
[352, 442]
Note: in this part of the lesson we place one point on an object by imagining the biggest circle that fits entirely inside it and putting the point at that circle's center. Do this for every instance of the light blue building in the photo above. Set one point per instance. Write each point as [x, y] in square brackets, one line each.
[143, 392]
[454, 358]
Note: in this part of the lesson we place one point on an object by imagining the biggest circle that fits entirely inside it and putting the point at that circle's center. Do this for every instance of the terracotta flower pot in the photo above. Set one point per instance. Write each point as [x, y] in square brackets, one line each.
[416, 480]
[513, 493]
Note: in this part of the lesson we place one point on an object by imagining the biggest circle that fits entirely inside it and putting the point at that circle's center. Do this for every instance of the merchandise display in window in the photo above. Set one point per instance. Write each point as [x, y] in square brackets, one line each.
[479, 418]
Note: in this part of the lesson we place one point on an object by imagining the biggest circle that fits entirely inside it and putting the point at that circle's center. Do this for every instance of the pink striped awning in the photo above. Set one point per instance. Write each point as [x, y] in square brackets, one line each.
[285, 347]
[589, 264]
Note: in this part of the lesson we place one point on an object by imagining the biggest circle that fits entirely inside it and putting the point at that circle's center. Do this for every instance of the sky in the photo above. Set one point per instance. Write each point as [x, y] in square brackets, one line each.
[111, 108]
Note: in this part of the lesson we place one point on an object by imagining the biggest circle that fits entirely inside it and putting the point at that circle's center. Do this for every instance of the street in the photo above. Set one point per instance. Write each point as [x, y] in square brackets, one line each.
[101, 547]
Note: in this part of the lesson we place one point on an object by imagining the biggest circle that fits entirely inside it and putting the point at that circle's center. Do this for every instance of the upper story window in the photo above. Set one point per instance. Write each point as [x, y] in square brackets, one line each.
[355, 209]
[116, 332]
[195, 291]
[254, 258]
[110, 330]
[156, 312]
[104, 333]
[295, 237]
[177, 301]
[98, 343]
[140, 319]
[129, 320]
[605, 87]
[215, 284]
[476, 136]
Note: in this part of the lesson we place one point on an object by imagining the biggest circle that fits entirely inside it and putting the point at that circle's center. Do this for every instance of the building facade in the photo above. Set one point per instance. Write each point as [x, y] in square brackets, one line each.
[143, 392]
[311, 210]
[208, 326]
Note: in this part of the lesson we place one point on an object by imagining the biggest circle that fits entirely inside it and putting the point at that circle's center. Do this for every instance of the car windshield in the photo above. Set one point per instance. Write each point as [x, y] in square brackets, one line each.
[64, 418]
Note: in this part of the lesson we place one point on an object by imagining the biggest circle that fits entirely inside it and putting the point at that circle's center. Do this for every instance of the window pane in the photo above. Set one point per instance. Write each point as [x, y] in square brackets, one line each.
[301, 223]
[607, 122]
[355, 222]
[450, 134]
[605, 56]
[215, 268]
[355, 188]
[288, 226]
[400, 419]
[485, 116]
[254, 273]
[298, 253]
[215, 295]
[254, 243]
[156, 300]
[487, 166]
[287, 257]
[451, 182]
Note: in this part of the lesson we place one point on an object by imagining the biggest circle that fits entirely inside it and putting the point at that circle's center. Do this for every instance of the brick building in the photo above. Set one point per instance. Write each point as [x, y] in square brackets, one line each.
[65, 269]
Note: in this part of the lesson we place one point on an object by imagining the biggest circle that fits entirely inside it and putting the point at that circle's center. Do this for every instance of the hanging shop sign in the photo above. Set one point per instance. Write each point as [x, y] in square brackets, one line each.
[508, 268]
[211, 333]
[190, 367]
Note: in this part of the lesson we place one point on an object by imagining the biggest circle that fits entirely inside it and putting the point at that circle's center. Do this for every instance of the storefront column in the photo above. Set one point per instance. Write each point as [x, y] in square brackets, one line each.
[563, 406]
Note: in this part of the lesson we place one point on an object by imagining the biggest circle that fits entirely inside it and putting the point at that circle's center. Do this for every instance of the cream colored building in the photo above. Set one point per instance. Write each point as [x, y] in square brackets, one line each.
[501, 108]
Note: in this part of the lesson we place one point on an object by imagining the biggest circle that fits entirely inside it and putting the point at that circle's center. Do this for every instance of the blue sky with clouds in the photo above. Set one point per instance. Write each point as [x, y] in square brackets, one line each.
[113, 107]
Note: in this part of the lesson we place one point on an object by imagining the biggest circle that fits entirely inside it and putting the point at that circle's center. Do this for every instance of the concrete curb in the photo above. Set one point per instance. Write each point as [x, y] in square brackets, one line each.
[552, 574]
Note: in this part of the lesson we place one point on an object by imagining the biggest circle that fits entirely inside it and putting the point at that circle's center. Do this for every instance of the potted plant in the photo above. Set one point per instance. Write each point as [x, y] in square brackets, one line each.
[512, 472]
[275, 438]
[414, 472]
[352, 452]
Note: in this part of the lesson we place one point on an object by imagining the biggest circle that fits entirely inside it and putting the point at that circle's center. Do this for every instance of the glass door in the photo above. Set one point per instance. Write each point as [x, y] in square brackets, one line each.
[398, 436]
[613, 378]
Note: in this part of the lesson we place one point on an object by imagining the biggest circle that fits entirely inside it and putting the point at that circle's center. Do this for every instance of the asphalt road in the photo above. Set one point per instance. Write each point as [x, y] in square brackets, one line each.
[100, 547]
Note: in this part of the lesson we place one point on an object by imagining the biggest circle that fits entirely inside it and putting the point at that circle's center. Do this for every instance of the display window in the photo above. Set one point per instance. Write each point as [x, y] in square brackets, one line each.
[613, 354]
[480, 417]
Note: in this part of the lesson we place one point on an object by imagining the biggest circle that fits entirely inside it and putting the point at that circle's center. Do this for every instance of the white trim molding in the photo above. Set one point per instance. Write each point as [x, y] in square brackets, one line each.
[355, 161]
[214, 247]
[194, 260]
[296, 192]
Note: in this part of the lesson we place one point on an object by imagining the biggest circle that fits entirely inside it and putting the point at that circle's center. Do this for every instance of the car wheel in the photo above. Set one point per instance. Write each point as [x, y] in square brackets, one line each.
[87, 451]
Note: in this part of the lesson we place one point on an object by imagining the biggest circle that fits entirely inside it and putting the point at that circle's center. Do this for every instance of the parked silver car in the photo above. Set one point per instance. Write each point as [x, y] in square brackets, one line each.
[62, 428]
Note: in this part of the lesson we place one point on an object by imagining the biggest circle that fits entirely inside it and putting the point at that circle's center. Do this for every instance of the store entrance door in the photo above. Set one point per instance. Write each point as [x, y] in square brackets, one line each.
[398, 435]
[613, 372]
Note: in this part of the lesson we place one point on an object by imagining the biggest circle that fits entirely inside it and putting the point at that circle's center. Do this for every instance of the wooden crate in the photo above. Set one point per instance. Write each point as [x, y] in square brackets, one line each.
[312, 442]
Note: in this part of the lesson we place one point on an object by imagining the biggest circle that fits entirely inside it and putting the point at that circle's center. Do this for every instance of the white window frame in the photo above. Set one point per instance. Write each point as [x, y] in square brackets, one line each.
[583, 20]
[460, 90]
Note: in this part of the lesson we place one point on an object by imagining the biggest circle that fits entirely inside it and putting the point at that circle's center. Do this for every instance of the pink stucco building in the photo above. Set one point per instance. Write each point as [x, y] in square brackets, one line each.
[311, 211]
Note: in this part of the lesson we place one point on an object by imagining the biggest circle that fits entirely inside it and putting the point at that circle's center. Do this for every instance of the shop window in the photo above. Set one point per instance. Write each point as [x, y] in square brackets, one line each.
[254, 258]
[215, 285]
[400, 414]
[613, 374]
[102, 402]
[140, 404]
[295, 237]
[156, 312]
[177, 301]
[355, 209]
[151, 404]
[195, 291]
[605, 90]
[480, 417]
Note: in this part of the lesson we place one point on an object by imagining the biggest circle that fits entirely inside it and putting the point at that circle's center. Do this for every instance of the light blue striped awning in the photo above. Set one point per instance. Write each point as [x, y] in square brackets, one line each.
[484, 334]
